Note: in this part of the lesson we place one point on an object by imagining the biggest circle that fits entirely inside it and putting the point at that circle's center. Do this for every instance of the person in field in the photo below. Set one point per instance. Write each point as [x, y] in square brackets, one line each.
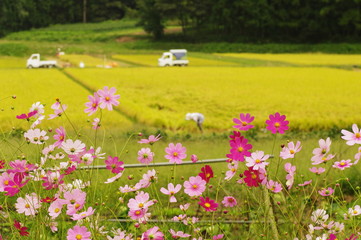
[197, 117]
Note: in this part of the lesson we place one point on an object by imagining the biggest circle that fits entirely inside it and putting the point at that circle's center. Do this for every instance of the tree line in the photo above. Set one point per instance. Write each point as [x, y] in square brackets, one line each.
[230, 20]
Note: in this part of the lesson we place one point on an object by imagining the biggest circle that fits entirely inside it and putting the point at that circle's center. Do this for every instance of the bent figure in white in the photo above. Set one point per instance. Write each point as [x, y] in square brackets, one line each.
[197, 117]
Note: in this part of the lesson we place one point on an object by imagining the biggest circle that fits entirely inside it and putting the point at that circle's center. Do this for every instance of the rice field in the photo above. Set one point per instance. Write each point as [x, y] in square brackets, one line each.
[91, 61]
[151, 60]
[12, 62]
[303, 59]
[312, 98]
[45, 86]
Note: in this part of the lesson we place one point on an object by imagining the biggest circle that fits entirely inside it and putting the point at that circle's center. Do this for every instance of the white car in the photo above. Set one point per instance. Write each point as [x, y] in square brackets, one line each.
[35, 62]
[175, 57]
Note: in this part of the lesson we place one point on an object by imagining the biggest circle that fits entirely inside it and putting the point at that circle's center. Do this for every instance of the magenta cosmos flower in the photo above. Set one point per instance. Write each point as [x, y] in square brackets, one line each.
[352, 137]
[113, 164]
[145, 155]
[107, 98]
[195, 186]
[343, 164]
[93, 104]
[153, 234]
[175, 153]
[239, 149]
[78, 233]
[27, 116]
[243, 123]
[208, 204]
[229, 201]
[59, 137]
[276, 123]
[206, 173]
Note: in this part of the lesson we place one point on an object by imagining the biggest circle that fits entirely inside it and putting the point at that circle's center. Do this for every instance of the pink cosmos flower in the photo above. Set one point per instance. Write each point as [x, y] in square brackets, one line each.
[243, 124]
[352, 138]
[239, 149]
[78, 233]
[290, 150]
[233, 166]
[320, 152]
[322, 159]
[82, 215]
[184, 207]
[343, 164]
[113, 179]
[27, 116]
[171, 191]
[178, 234]
[37, 107]
[92, 105]
[175, 153]
[148, 178]
[140, 201]
[217, 237]
[194, 158]
[357, 156]
[195, 186]
[206, 173]
[58, 110]
[229, 201]
[136, 214]
[59, 137]
[355, 211]
[28, 205]
[151, 139]
[274, 186]
[276, 123]
[317, 170]
[153, 234]
[145, 156]
[257, 160]
[73, 147]
[36, 136]
[305, 183]
[55, 208]
[107, 98]
[326, 192]
[96, 123]
[52, 180]
[208, 204]
[291, 170]
[75, 200]
[113, 164]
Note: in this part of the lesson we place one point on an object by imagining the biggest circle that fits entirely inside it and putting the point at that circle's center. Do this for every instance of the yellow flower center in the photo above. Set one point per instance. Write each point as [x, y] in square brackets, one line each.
[354, 212]
[56, 210]
[78, 236]
[277, 125]
[240, 149]
[258, 161]
[233, 169]
[357, 135]
[107, 98]
[6, 182]
[137, 212]
[195, 186]
[175, 154]
[254, 176]
[342, 164]
[77, 205]
[171, 193]
[27, 205]
[244, 124]
[94, 105]
[292, 151]
[207, 205]
[141, 205]
[208, 175]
